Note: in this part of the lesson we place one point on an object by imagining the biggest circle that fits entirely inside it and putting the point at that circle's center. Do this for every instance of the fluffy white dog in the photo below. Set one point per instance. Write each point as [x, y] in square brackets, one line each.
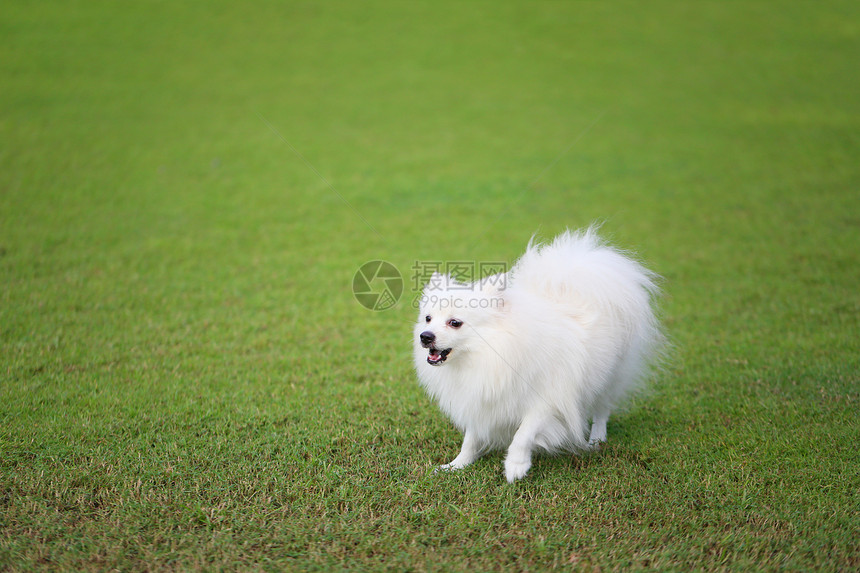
[525, 360]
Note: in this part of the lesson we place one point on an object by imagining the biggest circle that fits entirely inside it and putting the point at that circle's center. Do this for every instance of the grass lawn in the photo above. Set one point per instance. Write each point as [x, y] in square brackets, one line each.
[187, 189]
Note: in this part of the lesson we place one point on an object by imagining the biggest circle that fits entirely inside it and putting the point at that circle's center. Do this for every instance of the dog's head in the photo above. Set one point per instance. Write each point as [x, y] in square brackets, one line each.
[451, 315]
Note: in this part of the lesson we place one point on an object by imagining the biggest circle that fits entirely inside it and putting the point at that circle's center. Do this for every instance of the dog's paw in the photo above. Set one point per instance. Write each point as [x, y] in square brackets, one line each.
[452, 467]
[515, 470]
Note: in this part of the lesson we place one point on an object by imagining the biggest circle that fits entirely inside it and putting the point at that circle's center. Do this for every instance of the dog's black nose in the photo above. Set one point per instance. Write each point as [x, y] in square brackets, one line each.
[427, 338]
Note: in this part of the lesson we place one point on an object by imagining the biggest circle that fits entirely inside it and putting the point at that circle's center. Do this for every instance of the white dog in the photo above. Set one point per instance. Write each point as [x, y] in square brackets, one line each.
[525, 360]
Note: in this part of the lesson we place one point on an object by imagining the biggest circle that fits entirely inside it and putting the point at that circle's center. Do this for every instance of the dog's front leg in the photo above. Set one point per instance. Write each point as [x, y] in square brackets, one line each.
[519, 458]
[469, 452]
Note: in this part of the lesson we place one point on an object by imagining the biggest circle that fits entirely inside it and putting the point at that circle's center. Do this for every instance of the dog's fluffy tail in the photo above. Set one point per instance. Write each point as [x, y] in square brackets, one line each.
[579, 270]
[580, 262]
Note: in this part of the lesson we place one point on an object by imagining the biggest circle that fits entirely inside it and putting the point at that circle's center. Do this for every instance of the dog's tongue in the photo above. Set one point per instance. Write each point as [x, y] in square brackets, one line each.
[434, 357]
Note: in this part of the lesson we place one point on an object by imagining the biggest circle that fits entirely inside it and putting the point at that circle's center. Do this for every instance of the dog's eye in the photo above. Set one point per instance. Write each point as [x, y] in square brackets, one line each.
[454, 323]
[427, 318]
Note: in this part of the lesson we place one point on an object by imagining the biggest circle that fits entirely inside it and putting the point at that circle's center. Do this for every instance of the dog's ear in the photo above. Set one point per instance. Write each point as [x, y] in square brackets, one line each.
[493, 284]
[492, 290]
[437, 282]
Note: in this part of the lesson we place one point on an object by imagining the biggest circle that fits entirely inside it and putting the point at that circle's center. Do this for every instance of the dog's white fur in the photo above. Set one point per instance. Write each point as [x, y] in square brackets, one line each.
[538, 353]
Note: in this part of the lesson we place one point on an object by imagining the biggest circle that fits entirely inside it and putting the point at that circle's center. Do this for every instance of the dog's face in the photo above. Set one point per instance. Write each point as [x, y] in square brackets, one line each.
[451, 315]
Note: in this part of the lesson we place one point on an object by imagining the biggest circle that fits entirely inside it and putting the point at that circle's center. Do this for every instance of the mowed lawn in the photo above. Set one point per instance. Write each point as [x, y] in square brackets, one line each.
[187, 190]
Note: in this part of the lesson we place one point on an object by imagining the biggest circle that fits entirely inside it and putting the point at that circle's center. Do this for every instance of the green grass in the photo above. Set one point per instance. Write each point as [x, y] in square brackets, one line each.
[186, 381]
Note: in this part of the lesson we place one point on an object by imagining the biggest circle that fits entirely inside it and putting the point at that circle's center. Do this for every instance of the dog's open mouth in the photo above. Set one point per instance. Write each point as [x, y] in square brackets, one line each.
[436, 356]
